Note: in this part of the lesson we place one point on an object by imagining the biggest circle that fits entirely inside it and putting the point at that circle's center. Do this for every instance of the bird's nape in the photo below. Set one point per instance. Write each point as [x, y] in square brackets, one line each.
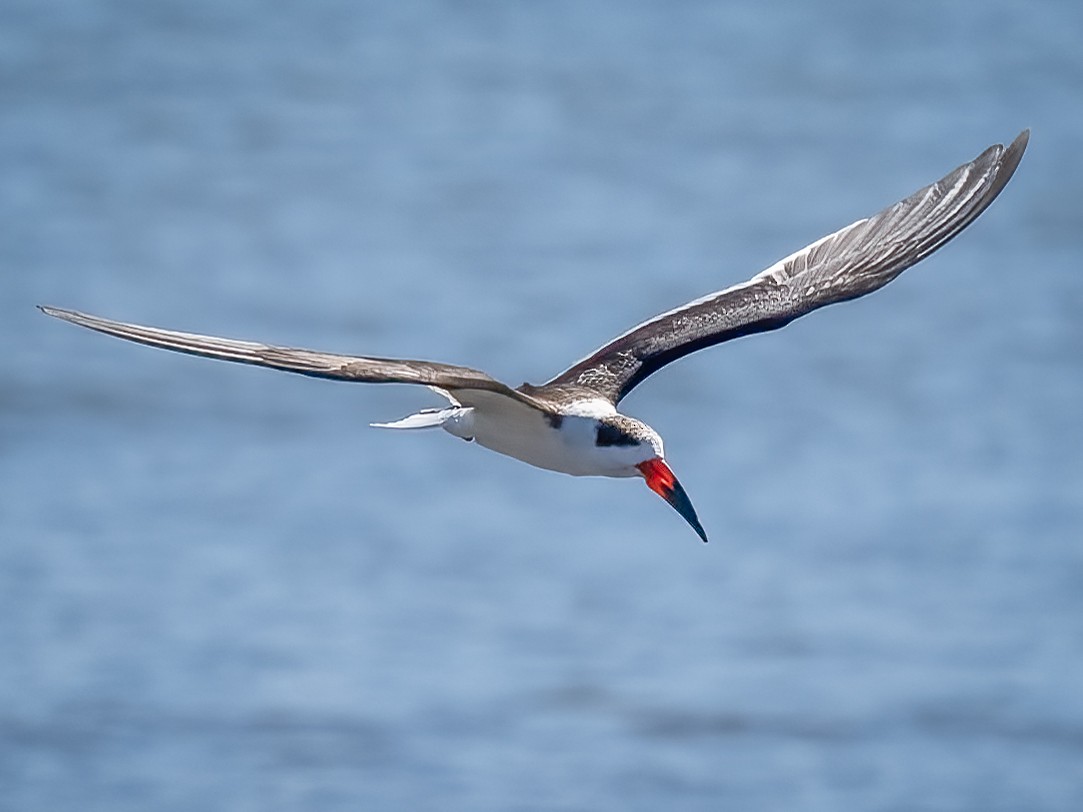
[661, 479]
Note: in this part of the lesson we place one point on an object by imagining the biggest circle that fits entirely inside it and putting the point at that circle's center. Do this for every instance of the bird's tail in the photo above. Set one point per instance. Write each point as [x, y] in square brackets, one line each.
[457, 420]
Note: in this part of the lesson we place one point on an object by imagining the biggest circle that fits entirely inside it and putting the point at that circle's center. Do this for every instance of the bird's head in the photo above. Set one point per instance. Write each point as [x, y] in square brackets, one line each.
[639, 447]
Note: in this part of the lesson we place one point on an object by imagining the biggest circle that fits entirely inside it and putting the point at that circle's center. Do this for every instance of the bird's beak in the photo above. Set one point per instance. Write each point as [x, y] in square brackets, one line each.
[661, 480]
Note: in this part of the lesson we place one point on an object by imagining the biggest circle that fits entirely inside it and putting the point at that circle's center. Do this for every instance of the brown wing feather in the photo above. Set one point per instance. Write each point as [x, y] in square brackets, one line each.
[852, 262]
[305, 362]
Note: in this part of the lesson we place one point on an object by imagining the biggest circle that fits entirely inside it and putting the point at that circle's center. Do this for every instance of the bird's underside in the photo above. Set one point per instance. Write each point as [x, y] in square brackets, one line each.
[570, 423]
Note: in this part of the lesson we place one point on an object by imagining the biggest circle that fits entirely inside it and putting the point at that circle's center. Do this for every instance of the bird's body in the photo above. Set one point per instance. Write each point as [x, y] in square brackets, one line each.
[571, 424]
[584, 436]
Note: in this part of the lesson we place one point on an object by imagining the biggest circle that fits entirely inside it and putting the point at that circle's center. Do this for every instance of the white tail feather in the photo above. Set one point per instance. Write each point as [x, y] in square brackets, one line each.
[426, 419]
[456, 419]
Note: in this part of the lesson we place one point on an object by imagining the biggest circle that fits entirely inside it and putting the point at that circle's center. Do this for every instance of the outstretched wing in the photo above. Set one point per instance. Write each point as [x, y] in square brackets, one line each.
[851, 262]
[306, 362]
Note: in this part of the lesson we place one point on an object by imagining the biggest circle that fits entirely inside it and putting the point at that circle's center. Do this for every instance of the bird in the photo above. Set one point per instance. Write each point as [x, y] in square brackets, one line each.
[571, 424]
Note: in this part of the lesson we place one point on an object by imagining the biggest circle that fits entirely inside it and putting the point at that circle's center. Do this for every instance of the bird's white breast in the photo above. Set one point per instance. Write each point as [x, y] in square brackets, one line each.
[566, 445]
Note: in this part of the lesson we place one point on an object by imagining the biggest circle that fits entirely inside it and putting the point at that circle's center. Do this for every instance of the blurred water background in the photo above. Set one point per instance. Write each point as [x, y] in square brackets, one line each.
[220, 590]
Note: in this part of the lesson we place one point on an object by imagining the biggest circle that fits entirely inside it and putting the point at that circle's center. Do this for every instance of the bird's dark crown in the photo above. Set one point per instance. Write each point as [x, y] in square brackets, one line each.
[618, 430]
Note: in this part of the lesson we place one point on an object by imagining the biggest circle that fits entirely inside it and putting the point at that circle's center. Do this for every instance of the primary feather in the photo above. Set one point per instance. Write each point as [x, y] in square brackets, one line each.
[852, 262]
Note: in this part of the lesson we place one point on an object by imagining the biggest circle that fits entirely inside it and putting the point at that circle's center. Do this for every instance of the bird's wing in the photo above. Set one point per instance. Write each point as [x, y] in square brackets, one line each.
[306, 362]
[851, 262]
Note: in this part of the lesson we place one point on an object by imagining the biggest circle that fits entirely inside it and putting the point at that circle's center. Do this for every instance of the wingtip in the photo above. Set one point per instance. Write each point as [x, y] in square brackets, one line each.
[1019, 145]
[55, 312]
[1008, 161]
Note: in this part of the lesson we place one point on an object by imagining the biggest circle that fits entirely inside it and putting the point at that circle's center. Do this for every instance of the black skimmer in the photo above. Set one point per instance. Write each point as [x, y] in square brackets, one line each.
[571, 423]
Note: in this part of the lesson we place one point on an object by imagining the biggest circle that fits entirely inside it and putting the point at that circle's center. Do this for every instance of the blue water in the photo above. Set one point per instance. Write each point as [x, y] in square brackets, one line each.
[220, 590]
